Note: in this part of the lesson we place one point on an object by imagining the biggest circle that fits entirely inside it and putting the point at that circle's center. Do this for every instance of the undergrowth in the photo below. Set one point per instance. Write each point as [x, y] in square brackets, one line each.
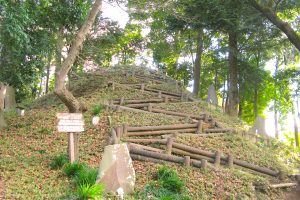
[166, 186]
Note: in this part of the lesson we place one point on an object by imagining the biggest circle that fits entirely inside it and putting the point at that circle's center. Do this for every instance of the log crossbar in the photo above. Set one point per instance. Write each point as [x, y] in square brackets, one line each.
[164, 127]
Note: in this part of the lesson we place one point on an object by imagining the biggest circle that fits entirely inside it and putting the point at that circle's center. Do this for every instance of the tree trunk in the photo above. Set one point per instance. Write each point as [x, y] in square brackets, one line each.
[2, 94]
[197, 66]
[276, 120]
[255, 109]
[48, 74]
[59, 47]
[60, 89]
[295, 127]
[293, 37]
[233, 99]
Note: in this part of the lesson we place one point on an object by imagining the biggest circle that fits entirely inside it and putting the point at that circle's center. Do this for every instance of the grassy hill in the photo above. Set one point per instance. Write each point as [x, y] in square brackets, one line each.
[29, 144]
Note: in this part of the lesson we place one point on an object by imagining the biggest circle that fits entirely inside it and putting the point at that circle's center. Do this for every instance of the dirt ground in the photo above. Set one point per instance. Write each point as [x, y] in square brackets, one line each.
[294, 194]
[1, 190]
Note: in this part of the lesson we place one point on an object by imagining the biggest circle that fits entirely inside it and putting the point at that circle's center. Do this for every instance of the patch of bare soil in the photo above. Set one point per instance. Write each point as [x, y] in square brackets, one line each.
[294, 194]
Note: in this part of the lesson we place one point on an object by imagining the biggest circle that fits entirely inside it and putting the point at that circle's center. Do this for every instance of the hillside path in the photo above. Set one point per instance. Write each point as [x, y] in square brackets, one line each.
[1, 190]
[293, 195]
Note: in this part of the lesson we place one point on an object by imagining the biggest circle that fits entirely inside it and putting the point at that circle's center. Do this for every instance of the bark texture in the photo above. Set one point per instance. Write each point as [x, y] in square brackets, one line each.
[60, 90]
[233, 96]
[197, 67]
[293, 37]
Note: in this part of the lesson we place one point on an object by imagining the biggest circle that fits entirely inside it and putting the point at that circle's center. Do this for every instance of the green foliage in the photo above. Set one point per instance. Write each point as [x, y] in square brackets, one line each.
[86, 176]
[97, 109]
[72, 169]
[59, 161]
[168, 186]
[87, 191]
[169, 179]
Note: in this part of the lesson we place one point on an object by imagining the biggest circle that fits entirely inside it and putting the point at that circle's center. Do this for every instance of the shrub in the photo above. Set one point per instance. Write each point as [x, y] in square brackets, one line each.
[87, 191]
[72, 169]
[86, 176]
[59, 161]
[97, 109]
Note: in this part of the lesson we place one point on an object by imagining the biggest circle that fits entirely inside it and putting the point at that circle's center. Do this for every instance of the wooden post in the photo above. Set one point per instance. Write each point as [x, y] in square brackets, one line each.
[205, 118]
[187, 161]
[125, 126]
[159, 94]
[122, 101]
[169, 146]
[119, 131]
[71, 145]
[230, 160]
[142, 87]
[150, 107]
[200, 127]
[217, 158]
[166, 99]
[203, 163]
[118, 108]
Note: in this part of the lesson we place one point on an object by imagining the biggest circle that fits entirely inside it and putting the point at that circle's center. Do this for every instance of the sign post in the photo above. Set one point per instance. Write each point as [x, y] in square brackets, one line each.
[73, 124]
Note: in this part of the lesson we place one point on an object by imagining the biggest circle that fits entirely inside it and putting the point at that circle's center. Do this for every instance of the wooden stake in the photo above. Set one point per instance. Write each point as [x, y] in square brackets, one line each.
[230, 160]
[150, 107]
[203, 163]
[142, 87]
[217, 158]
[187, 161]
[125, 126]
[169, 146]
[159, 94]
[122, 101]
[166, 99]
[200, 127]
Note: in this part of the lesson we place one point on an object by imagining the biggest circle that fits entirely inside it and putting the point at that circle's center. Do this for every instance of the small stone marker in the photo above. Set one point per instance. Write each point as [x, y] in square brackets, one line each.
[212, 95]
[71, 123]
[116, 171]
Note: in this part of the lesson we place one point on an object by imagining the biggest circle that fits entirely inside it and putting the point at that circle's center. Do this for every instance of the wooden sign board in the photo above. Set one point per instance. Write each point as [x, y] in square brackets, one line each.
[70, 122]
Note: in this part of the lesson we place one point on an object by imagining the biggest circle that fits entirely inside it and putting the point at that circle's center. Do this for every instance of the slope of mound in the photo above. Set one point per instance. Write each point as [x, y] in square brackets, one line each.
[30, 142]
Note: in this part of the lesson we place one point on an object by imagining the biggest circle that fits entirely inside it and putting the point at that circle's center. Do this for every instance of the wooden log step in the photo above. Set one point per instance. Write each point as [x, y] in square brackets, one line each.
[160, 132]
[116, 107]
[177, 114]
[170, 158]
[193, 150]
[146, 141]
[225, 158]
[133, 101]
[145, 147]
[284, 185]
[147, 159]
[194, 156]
[163, 127]
[219, 130]
[164, 92]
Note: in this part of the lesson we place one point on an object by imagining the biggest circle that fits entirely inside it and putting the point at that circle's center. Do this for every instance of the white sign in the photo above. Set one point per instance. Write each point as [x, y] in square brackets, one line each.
[70, 122]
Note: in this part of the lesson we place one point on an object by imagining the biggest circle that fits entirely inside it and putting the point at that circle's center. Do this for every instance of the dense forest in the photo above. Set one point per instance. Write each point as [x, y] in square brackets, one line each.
[248, 50]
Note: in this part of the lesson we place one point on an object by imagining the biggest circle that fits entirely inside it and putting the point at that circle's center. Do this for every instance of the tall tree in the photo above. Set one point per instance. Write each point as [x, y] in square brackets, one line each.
[60, 89]
[292, 35]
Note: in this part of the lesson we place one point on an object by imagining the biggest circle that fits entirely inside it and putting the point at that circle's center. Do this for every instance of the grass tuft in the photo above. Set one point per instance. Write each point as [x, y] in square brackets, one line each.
[86, 175]
[87, 191]
[97, 109]
[59, 161]
[72, 169]
[169, 179]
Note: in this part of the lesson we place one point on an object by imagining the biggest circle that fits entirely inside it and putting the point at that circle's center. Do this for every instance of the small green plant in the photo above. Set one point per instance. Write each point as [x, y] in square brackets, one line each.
[59, 161]
[168, 186]
[169, 179]
[86, 175]
[97, 109]
[72, 169]
[87, 191]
